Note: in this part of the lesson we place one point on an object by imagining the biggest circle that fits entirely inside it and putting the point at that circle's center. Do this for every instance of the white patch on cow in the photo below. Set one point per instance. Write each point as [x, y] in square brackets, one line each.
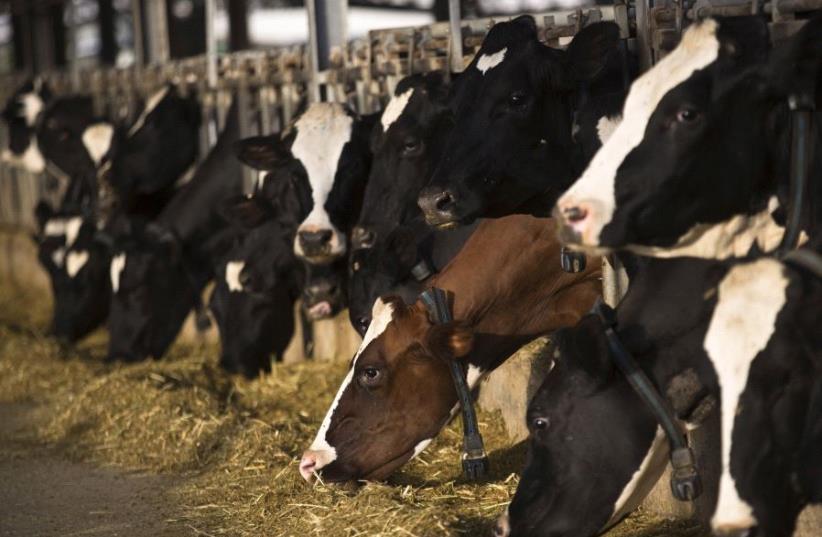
[643, 480]
[232, 275]
[118, 264]
[421, 446]
[382, 313]
[732, 238]
[151, 104]
[749, 299]
[261, 174]
[97, 139]
[606, 127]
[75, 261]
[31, 105]
[68, 227]
[322, 131]
[474, 375]
[31, 160]
[489, 61]
[58, 256]
[395, 108]
[699, 47]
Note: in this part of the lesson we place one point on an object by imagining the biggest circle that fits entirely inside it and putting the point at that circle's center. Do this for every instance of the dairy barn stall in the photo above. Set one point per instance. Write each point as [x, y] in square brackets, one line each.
[200, 203]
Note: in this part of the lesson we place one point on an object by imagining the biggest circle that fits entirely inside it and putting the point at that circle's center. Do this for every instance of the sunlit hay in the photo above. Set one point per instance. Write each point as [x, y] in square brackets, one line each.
[235, 444]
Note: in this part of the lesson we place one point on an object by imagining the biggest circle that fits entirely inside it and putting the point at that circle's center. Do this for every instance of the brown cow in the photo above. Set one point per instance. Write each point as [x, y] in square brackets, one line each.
[398, 394]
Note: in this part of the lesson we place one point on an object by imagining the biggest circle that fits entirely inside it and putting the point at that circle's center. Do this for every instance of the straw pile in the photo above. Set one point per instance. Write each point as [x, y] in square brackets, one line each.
[235, 444]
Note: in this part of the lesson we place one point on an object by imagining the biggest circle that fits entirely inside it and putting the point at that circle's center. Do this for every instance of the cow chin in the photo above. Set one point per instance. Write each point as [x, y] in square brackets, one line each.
[339, 472]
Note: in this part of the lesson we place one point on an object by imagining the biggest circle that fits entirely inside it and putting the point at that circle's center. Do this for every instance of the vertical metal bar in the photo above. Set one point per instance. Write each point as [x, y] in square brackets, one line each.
[643, 39]
[157, 23]
[327, 31]
[211, 43]
[137, 30]
[455, 25]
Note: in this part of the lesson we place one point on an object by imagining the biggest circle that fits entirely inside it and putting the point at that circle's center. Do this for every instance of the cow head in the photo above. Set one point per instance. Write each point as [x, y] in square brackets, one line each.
[513, 109]
[152, 292]
[593, 449]
[20, 115]
[701, 150]
[77, 268]
[384, 267]
[396, 397]
[325, 157]
[325, 291]
[158, 147]
[253, 299]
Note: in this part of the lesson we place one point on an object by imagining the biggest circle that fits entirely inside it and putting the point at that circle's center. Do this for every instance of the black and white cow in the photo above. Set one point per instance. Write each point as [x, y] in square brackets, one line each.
[700, 162]
[253, 299]
[324, 157]
[392, 250]
[20, 115]
[159, 269]
[745, 335]
[512, 149]
[155, 153]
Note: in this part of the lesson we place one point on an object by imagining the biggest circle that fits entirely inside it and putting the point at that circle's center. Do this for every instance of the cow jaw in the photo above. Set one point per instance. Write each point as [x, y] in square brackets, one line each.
[589, 205]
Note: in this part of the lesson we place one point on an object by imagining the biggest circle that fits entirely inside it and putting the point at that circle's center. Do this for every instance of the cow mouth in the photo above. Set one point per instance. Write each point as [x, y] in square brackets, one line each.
[320, 310]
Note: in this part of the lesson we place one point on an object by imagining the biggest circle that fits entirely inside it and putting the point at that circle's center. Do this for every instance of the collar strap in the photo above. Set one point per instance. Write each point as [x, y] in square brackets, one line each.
[422, 270]
[805, 259]
[474, 458]
[686, 484]
[802, 107]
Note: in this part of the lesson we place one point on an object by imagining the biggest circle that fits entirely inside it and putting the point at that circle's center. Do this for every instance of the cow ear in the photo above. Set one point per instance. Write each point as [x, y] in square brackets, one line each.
[454, 339]
[591, 49]
[586, 347]
[796, 65]
[246, 212]
[42, 213]
[262, 152]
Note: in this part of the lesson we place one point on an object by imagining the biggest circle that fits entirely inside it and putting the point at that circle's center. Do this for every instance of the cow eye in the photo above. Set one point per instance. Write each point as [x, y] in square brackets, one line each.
[411, 146]
[540, 423]
[516, 99]
[687, 115]
[370, 376]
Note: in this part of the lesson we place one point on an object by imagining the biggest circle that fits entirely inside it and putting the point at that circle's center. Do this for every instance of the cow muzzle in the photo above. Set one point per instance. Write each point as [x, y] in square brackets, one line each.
[502, 528]
[734, 531]
[322, 299]
[312, 461]
[439, 206]
[580, 221]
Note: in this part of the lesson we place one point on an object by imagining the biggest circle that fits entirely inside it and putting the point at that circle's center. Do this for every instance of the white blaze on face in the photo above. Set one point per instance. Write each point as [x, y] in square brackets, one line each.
[643, 480]
[75, 261]
[118, 264]
[749, 299]
[382, 314]
[596, 187]
[97, 139]
[31, 106]
[151, 104]
[322, 132]
[489, 61]
[232, 275]
[395, 108]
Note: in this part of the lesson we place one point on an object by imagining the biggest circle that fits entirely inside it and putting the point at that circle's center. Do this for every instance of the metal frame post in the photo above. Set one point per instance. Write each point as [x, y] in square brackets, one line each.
[327, 30]
[137, 30]
[156, 22]
[455, 33]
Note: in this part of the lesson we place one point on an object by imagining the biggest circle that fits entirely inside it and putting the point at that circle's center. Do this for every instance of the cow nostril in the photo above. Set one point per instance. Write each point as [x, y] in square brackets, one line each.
[444, 201]
[307, 465]
[575, 214]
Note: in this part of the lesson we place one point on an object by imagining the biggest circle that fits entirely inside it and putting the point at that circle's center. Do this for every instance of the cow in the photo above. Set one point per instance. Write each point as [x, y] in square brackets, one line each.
[398, 393]
[20, 115]
[512, 148]
[159, 267]
[745, 339]
[699, 165]
[392, 251]
[253, 299]
[143, 169]
[324, 157]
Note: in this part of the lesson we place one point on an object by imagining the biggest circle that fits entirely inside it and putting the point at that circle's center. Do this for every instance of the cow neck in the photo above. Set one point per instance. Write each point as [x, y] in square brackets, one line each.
[509, 286]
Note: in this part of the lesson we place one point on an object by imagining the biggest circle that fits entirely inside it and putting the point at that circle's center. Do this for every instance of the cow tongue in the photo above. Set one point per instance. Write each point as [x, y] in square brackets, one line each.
[320, 309]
